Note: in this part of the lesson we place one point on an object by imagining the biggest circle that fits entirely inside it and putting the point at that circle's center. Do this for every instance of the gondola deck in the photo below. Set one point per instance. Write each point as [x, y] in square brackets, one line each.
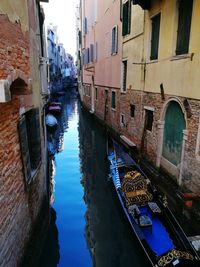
[159, 233]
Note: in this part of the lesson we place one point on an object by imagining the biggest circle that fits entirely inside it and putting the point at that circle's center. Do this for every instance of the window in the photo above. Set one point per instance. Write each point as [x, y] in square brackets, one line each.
[126, 18]
[114, 40]
[79, 38]
[91, 51]
[149, 119]
[184, 25]
[132, 111]
[113, 103]
[86, 56]
[122, 120]
[96, 93]
[124, 75]
[155, 32]
[87, 90]
[29, 133]
[85, 26]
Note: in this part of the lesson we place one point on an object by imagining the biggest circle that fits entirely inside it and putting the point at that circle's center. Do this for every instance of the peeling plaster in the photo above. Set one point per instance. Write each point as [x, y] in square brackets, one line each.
[16, 12]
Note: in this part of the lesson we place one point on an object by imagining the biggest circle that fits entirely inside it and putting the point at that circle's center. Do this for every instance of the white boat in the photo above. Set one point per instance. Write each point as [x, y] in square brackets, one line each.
[50, 120]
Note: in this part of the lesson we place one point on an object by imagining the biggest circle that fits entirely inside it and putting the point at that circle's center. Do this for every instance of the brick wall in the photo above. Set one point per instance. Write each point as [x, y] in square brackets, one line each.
[133, 127]
[14, 48]
[134, 130]
[19, 207]
[107, 115]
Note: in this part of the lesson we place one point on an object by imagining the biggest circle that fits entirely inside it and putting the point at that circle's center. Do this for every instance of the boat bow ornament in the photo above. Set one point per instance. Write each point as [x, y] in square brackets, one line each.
[174, 255]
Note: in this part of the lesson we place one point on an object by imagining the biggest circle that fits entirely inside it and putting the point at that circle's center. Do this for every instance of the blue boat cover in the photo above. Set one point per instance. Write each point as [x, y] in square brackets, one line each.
[158, 239]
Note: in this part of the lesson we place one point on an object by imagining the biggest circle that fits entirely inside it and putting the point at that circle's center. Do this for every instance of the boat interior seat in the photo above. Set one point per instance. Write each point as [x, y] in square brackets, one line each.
[135, 189]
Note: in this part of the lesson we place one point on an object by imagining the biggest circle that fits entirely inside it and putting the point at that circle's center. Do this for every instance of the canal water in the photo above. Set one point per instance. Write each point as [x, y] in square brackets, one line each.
[88, 227]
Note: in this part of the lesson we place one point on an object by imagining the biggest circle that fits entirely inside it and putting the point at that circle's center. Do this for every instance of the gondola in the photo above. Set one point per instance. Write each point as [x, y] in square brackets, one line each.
[160, 235]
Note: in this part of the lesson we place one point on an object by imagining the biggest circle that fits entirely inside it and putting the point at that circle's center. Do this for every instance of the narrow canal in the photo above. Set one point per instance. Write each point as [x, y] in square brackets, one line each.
[88, 227]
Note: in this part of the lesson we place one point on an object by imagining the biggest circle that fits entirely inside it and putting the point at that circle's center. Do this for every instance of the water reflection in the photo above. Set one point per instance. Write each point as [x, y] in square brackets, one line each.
[109, 239]
[88, 227]
[55, 135]
[51, 255]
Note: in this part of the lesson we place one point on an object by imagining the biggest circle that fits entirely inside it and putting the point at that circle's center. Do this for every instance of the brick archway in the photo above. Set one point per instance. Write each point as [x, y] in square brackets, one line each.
[175, 171]
[7, 84]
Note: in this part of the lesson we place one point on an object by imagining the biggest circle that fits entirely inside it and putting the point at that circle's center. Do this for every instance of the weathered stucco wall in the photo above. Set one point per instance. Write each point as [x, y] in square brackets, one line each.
[179, 74]
[16, 12]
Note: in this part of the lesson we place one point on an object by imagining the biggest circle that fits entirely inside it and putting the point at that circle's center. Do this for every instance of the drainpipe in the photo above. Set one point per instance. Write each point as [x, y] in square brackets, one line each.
[185, 138]
[143, 78]
[160, 127]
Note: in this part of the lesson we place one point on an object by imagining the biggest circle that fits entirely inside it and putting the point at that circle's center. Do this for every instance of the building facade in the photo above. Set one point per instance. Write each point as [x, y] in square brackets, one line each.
[52, 45]
[100, 54]
[24, 189]
[169, 134]
[157, 107]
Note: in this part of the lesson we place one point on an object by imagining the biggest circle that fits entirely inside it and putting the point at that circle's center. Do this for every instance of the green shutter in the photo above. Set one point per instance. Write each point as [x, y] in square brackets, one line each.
[184, 25]
[155, 36]
[24, 149]
[126, 20]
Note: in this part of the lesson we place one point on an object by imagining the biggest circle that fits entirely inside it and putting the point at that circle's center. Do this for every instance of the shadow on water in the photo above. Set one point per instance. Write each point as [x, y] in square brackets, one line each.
[88, 227]
[51, 255]
[109, 238]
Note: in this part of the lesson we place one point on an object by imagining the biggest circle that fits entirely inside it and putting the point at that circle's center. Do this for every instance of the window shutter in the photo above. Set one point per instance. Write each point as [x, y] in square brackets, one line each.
[87, 55]
[126, 19]
[85, 26]
[92, 53]
[155, 36]
[80, 37]
[184, 25]
[114, 39]
[129, 16]
[24, 149]
[113, 100]
[34, 141]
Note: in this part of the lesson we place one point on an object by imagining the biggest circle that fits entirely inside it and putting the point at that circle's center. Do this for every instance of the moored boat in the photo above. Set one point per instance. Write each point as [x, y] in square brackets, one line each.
[50, 120]
[156, 228]
[55, 107]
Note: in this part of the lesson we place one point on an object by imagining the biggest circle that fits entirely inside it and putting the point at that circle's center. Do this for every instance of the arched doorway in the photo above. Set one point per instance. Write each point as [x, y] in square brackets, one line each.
[173, 133]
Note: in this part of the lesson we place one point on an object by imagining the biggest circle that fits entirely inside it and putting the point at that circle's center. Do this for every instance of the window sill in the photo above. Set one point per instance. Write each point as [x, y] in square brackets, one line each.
[152, 61]
[183, 56]
[123, 92]
[113, 109]
[114, 54]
